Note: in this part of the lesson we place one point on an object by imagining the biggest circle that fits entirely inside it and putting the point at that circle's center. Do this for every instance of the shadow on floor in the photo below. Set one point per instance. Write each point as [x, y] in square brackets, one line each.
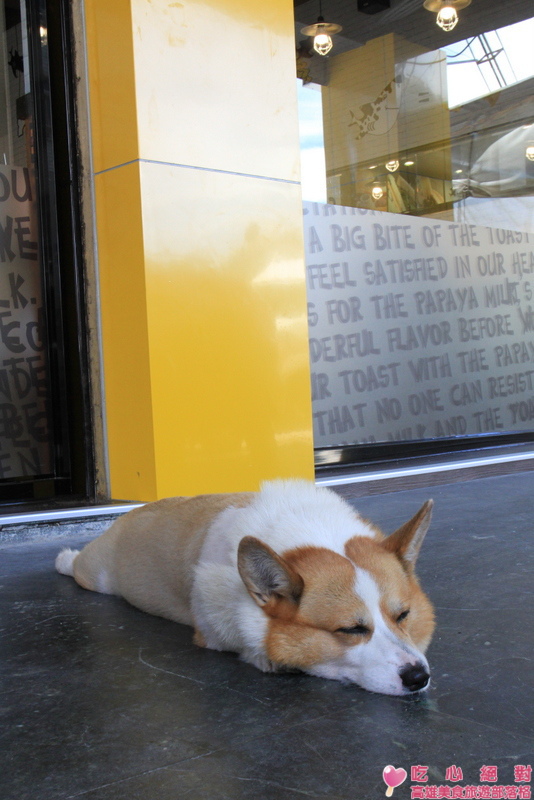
[103, 702]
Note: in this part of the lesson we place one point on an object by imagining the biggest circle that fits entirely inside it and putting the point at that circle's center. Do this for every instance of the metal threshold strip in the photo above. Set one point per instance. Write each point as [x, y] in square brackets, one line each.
[65, 514]
[421, 469]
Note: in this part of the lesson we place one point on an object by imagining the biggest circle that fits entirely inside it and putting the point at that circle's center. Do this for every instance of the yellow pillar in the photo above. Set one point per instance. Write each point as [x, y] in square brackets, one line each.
[198, 209]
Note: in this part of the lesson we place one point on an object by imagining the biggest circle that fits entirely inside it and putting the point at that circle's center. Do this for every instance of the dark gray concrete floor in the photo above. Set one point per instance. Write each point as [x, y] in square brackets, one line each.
[103, 702]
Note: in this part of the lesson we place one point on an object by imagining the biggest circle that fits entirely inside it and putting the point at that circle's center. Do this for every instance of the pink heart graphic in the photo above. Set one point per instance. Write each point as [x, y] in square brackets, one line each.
[393, 777]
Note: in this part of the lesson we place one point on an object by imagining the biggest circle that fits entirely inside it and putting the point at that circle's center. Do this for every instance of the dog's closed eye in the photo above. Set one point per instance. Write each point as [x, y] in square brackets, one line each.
[403, 615]
[355, 629]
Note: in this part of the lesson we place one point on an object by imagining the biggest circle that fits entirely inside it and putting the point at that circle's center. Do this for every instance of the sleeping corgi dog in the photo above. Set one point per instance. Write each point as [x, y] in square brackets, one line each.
[290, 577]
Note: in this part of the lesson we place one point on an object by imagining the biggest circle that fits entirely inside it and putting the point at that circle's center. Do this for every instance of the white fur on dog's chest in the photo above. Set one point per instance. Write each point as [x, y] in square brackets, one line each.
[222, 608]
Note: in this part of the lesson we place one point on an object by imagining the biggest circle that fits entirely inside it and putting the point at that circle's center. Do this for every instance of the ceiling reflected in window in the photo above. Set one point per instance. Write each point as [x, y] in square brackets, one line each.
[456, 119]
[490, 61]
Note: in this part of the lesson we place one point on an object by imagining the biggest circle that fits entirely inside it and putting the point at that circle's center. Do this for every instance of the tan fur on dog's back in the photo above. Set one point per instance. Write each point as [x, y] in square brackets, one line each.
[166, 538]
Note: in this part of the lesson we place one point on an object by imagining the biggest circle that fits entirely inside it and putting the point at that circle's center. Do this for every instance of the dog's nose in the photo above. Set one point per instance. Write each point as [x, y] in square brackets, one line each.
[414, 677]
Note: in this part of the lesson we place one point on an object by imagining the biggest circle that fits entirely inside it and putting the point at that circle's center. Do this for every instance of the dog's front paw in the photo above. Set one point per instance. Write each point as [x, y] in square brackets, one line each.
[199, 639]
[260, 662]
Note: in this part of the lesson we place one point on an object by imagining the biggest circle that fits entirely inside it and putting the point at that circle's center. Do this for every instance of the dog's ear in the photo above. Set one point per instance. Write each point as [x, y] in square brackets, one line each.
[407, 540]
[265, 574]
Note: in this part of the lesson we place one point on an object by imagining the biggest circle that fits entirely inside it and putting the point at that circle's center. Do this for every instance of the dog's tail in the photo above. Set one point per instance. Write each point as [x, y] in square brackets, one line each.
[65, 561]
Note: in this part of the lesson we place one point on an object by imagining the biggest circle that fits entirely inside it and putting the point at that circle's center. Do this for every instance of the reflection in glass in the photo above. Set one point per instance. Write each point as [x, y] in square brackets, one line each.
[24, 433]
[444, 133]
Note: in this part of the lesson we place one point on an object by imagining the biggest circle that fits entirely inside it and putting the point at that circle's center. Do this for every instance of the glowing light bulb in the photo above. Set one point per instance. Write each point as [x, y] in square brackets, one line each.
[529, 152]
[377, 192]
[321, 30]
[322, 42]
[447, 18]
[392, 165]
[446, 11]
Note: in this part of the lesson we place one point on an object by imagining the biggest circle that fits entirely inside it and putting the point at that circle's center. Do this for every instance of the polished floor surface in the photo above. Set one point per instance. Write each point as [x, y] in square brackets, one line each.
[103, 702]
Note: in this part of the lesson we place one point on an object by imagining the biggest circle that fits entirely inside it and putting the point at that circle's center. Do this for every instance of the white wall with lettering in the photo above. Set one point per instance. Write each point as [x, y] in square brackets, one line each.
[419, 329]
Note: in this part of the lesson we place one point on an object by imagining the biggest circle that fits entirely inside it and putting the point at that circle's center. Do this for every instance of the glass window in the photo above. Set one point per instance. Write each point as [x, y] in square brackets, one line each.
[417, 158]
[45, 449]
[25, 444]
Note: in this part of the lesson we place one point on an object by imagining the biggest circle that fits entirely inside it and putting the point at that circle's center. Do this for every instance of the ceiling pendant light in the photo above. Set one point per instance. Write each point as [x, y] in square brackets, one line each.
[321, 32]
[446, 11]
[447, 18]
